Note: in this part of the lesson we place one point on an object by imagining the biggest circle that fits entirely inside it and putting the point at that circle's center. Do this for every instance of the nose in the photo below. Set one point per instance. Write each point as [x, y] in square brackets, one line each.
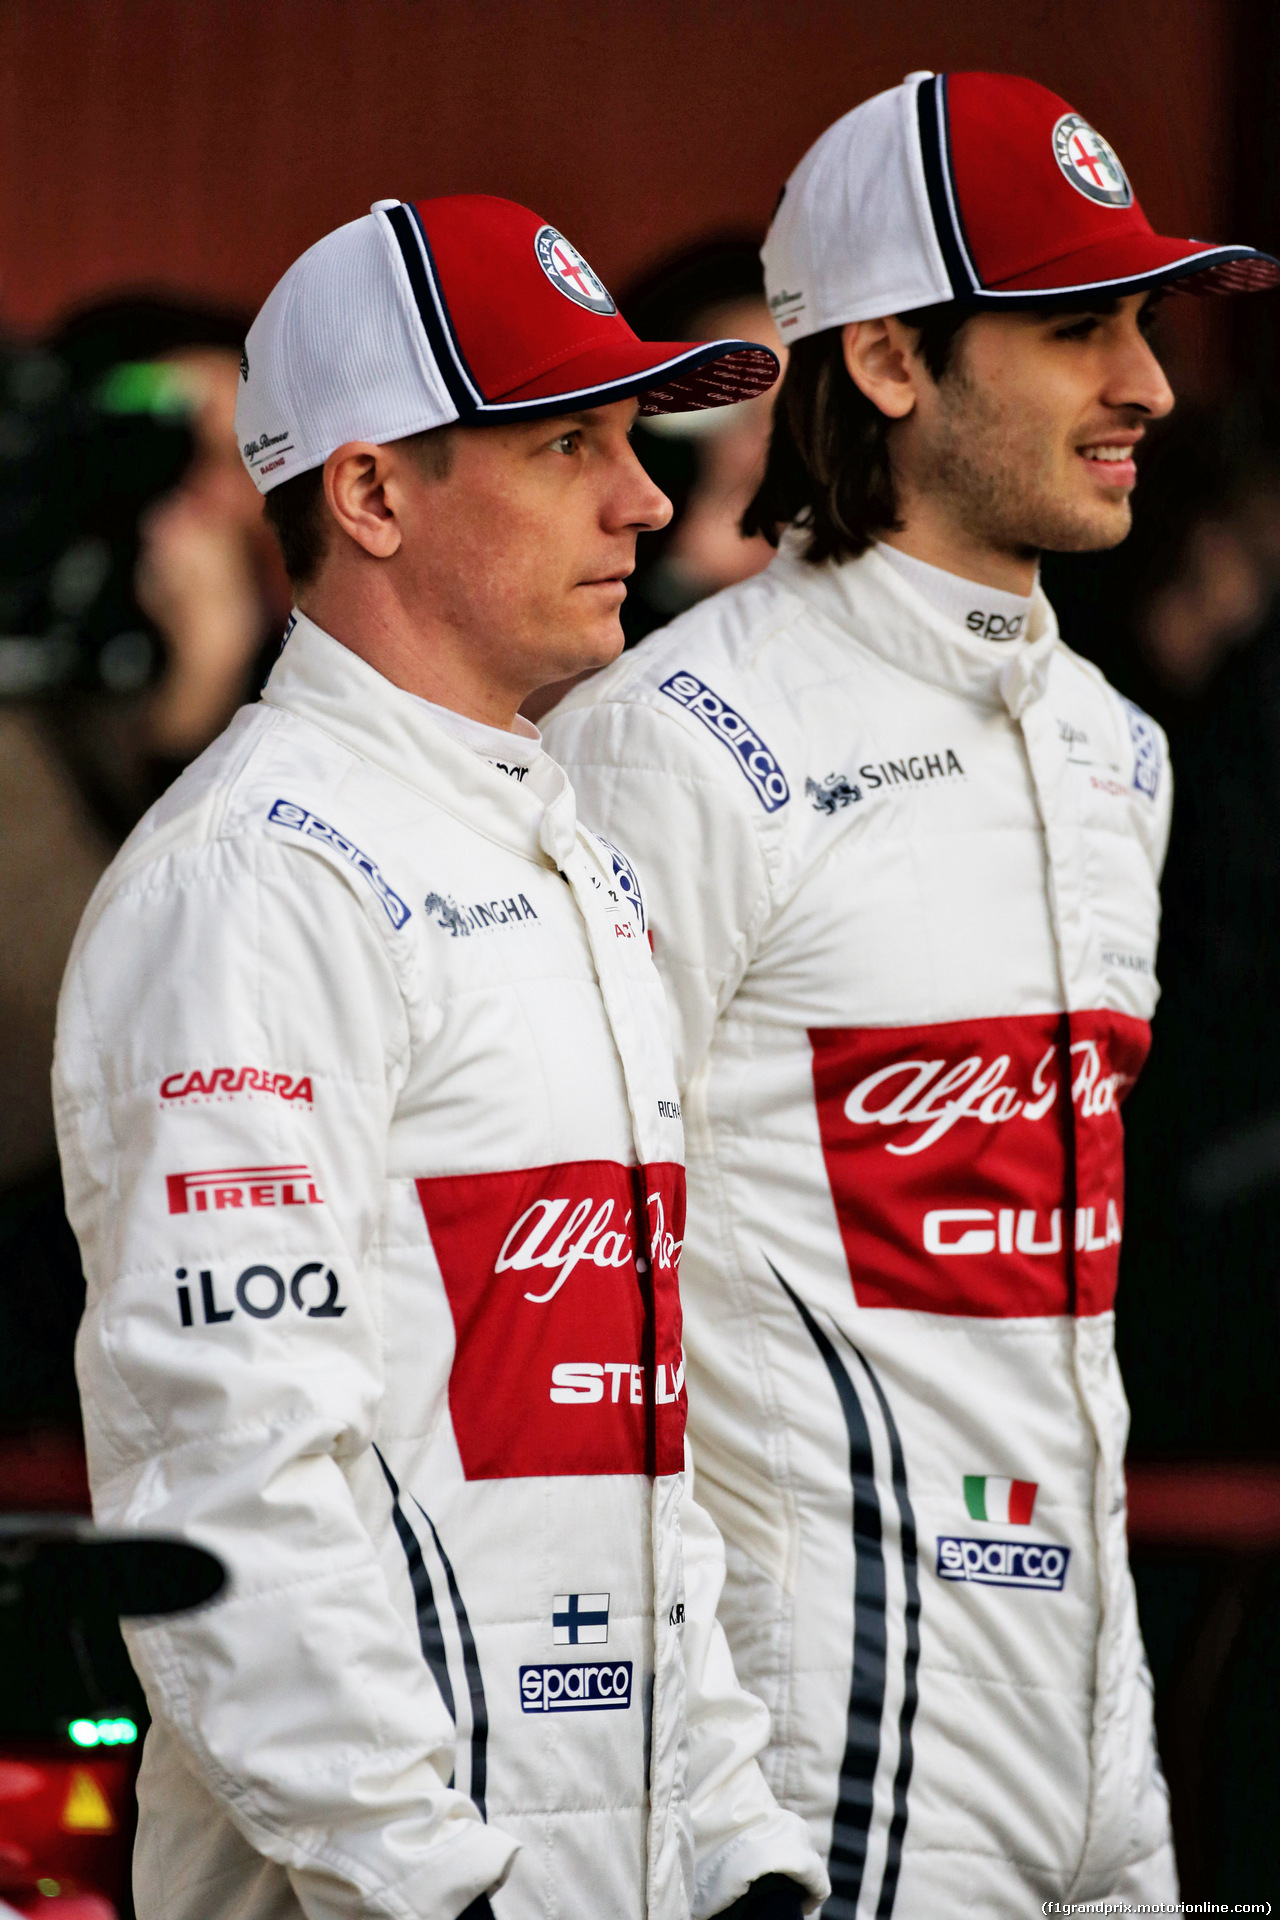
[635, 504]
[1136, 378]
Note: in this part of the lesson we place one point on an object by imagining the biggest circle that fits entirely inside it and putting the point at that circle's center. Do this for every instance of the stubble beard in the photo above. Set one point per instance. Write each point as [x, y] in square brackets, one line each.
[996, 469]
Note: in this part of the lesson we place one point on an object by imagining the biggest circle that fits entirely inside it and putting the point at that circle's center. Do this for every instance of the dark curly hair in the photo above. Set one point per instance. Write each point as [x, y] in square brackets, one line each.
[827, 469]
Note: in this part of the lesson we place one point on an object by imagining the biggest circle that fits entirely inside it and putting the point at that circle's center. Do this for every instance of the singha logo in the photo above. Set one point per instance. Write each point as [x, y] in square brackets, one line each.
[829, 795]
[447, 913]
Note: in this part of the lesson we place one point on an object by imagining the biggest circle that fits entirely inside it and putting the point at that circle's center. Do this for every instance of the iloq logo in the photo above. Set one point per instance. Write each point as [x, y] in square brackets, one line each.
[1003, 1563]
[588, 1686]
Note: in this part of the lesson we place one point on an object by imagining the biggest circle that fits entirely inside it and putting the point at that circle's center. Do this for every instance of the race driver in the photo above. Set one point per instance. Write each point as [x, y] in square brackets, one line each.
[901, 850]
[372, 1146]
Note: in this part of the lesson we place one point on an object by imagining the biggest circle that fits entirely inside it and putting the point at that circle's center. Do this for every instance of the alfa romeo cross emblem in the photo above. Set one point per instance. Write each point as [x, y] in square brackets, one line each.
[567, 271]
[1089, 163]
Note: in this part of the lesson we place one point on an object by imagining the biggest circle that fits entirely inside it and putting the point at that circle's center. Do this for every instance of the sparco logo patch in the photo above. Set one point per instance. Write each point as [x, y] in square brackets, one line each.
[223, 1083]
[585, 1687]
[1089, 163]
[1003, 1563]
[569, 273]
[222, 1187]
[286, 813]
[732, 731]
[1146, 750]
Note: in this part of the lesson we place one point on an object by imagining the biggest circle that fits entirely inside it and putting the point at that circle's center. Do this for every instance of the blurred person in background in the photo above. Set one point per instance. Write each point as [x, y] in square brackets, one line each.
[343, 1366]
[162, 612]
[902, 850]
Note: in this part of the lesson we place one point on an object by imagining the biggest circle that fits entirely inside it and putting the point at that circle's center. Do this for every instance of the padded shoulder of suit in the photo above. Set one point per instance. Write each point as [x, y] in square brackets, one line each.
[721, 687]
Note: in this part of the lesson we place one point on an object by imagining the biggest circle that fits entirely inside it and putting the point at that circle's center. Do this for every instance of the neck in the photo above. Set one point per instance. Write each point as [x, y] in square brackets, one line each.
[934, 538]
[426, 657]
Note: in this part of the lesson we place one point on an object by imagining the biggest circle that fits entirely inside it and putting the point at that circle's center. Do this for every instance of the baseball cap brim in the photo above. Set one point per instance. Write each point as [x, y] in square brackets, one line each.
[1132, 261]
[667, 376]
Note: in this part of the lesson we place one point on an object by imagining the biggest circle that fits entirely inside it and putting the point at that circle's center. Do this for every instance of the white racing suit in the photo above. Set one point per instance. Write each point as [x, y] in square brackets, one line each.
[902, 888]
[371, 1144]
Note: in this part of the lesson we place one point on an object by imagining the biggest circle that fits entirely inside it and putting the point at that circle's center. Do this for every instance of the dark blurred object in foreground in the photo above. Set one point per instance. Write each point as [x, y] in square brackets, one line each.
[71, 1710]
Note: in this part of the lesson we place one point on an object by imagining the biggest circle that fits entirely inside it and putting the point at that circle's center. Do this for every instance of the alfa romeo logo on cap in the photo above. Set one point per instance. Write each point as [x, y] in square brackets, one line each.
[569, 273]
[1089, 163]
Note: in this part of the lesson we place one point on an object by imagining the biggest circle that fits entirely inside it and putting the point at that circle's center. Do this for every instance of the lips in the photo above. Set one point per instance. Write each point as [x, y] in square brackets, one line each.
[1111, 461]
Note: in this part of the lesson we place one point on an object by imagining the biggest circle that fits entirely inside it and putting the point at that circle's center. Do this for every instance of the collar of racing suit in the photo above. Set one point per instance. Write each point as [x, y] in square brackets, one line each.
[869, 599]
[320, 680]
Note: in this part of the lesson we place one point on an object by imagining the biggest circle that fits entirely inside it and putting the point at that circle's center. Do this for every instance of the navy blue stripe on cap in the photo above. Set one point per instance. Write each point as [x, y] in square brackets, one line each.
[935, 145]
[415, 250]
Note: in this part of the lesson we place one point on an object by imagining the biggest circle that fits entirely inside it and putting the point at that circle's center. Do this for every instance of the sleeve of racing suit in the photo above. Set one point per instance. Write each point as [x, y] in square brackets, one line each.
[740, 1833]
[642, 782]
[230, 1386]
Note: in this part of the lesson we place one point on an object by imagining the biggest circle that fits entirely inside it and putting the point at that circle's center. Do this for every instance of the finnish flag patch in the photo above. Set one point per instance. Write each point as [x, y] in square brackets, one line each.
[579, 1619]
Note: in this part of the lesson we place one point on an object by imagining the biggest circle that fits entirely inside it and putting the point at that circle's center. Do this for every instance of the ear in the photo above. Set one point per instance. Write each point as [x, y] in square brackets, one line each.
[881, 361]
[355, 486]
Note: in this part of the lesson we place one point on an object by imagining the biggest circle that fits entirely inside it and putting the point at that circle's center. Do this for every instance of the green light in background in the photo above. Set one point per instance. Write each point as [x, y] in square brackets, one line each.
[103, 1733]
[146, 386]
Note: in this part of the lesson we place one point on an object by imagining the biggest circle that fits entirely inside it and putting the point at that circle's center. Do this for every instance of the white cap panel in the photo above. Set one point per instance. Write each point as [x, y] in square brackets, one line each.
[337, 353]
[853, 238]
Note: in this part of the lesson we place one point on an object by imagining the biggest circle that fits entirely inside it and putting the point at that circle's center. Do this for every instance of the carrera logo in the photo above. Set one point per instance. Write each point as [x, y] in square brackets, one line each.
[587, 1686]
[286, 814]
[542, 1267]
[223, 1083]
[569, 273]
[1003, 1563]
[732, 731]
[221, 1188]
[944, 1148]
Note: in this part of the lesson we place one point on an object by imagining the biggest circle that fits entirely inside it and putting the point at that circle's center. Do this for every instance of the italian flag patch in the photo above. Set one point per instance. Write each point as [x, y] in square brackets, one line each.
[989, 1498]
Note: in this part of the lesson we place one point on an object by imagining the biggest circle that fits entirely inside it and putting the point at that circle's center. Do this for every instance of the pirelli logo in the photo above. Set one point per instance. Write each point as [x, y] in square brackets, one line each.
[218, 1189]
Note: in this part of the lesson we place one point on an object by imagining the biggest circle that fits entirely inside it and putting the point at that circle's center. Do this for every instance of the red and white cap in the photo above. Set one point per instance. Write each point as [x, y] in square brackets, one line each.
[981, 187]
[467, 309]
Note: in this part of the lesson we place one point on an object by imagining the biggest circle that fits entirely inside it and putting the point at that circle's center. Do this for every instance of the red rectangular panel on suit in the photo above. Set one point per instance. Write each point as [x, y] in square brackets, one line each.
[946, 1152]
[547, 1277]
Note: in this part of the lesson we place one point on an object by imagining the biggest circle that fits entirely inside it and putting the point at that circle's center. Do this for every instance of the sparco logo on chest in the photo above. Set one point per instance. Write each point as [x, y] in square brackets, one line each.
[955, 1171]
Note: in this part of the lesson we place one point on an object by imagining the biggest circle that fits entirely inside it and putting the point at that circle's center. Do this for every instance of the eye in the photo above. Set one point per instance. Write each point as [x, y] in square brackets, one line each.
[565, 443]
[1077, 329]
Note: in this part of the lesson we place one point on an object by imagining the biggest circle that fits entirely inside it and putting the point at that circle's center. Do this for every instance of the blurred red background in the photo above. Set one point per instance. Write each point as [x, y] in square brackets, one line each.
[202, 144]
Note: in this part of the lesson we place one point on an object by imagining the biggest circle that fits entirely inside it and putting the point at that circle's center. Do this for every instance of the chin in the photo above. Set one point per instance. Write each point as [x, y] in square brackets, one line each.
[1092, 530]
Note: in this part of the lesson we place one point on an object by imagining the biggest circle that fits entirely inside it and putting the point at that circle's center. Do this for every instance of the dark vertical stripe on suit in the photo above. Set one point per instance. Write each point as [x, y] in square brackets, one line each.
[852, 1820]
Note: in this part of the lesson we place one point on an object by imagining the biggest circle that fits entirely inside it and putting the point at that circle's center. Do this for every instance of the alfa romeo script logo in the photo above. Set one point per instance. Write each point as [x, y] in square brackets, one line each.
[1089, 163]
[569, 273]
